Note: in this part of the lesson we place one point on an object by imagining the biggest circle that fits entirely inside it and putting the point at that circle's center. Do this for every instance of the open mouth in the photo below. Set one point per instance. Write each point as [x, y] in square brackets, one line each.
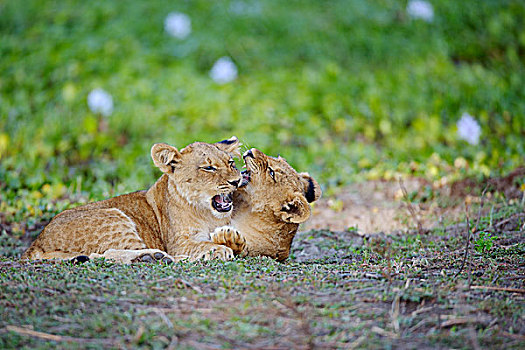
[222, 202]
[245, 178]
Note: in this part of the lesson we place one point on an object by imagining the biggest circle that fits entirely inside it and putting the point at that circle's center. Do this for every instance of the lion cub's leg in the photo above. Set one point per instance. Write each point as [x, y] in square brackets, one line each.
[82, 232]
[59, 255]
[127, 256]
[230, 237]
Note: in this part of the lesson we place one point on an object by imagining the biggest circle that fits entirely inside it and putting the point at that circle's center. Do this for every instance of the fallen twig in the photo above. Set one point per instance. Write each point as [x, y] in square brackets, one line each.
[394, 313]
[514, 336]
[471, 231]
[57, 338]
[514, 278]
[503, 222]
[384, 333]
[163, 316]
[357, 343]
[419, 325]
[422, 310]
[465, 256]
[504, 289]
[183, 284]
[462, 320]
[368, 289]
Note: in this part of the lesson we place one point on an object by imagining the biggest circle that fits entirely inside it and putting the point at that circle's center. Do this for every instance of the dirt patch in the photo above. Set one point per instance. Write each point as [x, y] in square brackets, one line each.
[383, 206]
[378, 206]
[509, 185]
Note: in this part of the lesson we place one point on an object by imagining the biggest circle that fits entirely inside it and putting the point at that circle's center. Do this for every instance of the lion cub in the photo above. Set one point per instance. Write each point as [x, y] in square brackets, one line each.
[177, 215]
[270, 204]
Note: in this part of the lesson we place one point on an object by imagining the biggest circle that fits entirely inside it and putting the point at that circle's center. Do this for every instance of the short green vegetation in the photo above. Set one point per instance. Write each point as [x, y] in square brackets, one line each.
[347, 90]
[338, 290]
[341, 89]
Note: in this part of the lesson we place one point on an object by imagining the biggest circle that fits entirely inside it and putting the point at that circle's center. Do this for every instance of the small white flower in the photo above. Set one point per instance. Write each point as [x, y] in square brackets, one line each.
[420, 9]
[178, 25]
[468, 129]
[223, 71]
[99, 101]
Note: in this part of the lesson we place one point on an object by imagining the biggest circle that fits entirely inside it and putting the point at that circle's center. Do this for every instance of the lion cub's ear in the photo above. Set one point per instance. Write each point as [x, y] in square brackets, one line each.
[312, 190]
[165, 157]
[296, 211]
[230, 146]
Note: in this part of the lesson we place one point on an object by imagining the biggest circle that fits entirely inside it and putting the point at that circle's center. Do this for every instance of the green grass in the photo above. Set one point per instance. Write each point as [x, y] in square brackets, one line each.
[380, 291]
[340, 89]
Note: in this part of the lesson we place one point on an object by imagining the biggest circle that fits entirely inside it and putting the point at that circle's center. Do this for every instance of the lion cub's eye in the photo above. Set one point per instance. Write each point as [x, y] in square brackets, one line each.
[272, 174]
[209, 168]
[232, 164]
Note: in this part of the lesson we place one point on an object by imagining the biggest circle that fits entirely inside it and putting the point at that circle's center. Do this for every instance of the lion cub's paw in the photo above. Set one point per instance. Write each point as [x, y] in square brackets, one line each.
[230, 237]
[155, 257]
[80, 259]
[220, 252]
[134, 256]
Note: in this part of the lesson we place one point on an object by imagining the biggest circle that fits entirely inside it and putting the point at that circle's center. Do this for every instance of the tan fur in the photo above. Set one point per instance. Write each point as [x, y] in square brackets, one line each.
[268, 210]
[175, 215]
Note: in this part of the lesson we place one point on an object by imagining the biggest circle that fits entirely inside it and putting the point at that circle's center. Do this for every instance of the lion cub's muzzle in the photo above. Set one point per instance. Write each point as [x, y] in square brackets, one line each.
[246, 176]
[251, 158]
[222, 202]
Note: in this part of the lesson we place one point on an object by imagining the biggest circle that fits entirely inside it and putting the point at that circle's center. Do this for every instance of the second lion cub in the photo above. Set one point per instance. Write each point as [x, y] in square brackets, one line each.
[269, 205]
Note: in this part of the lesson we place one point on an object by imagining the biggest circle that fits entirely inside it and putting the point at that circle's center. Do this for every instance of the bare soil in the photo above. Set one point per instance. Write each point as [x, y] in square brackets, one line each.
[379, 206]
[387, 206]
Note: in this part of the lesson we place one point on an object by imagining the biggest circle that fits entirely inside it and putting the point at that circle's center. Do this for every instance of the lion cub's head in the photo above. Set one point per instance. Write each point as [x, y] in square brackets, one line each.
[272, 185]
[204, 174]
[271, 203]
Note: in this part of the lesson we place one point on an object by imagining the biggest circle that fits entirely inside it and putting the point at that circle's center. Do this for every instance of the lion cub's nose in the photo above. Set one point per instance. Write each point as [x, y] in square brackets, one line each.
[234, 183]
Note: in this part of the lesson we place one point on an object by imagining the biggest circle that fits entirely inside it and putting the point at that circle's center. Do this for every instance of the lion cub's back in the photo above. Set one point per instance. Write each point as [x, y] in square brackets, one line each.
[123, 222]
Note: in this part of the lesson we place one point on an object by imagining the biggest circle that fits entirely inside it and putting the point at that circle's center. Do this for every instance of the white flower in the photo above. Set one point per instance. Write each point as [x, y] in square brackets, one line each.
[468, 129]
[177, 24]
[100, 101]
[223, 71]
[420, 9]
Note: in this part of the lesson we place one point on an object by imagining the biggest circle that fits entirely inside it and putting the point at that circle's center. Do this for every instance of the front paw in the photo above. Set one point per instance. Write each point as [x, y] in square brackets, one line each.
[229, 237]
[220, 252]
[154, 257]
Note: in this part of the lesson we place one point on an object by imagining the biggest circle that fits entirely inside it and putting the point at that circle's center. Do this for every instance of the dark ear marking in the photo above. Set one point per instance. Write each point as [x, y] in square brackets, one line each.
[310, 192]
[228, 142]
[172, 165]
[230, 146]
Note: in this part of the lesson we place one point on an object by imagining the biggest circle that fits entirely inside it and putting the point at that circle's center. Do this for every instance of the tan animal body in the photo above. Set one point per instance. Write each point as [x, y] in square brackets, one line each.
[179, 215]
[271, 203]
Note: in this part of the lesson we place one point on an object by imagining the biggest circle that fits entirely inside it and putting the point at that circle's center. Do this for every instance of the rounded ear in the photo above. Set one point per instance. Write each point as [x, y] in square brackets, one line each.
[296, 211]
[230, 146]
[312, 190]
[165, 157]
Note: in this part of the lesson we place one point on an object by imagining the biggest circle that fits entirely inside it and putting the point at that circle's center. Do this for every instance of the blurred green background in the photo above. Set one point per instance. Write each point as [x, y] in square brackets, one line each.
[346, 90]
